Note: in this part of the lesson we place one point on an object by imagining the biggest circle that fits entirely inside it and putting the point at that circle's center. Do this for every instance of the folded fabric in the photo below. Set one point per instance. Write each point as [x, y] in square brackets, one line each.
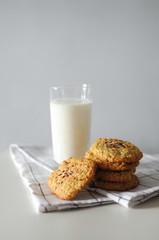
[36, 164]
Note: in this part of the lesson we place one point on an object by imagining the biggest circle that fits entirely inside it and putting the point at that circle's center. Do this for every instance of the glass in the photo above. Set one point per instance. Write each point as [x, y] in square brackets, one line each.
[70, 109]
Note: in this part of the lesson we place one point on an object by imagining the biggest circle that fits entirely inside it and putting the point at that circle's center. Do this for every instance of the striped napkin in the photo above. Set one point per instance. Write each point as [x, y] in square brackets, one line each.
[36, 163]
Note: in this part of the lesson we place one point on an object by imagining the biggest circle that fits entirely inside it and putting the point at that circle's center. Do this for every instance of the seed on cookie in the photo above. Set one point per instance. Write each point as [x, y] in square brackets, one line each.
[71, 177]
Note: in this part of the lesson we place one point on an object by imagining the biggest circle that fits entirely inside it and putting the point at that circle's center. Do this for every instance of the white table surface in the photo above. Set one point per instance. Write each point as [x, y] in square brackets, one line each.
[19, 220]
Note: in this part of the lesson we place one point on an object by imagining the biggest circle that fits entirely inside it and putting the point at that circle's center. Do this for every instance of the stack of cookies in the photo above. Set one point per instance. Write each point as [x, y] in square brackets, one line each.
[116, 164]
[109, 164]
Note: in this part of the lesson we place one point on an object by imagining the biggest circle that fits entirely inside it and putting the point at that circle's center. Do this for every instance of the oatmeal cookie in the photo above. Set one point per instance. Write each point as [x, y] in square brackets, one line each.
[115, 186]
[115, 150]
[113, 176]
[72, 176]
[113, 166]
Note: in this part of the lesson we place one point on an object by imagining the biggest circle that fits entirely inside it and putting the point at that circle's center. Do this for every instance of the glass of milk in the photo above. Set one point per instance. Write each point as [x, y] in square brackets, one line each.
[70, 109]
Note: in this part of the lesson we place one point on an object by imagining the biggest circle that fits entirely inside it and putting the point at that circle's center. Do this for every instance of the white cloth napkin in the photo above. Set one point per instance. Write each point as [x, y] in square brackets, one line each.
[36, 163]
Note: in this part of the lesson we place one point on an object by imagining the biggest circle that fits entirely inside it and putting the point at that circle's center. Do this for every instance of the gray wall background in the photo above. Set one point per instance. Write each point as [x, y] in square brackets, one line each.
[113, 45]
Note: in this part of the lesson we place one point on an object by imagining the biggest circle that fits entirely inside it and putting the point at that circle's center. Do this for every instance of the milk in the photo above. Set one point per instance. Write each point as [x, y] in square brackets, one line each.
[70, 123]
